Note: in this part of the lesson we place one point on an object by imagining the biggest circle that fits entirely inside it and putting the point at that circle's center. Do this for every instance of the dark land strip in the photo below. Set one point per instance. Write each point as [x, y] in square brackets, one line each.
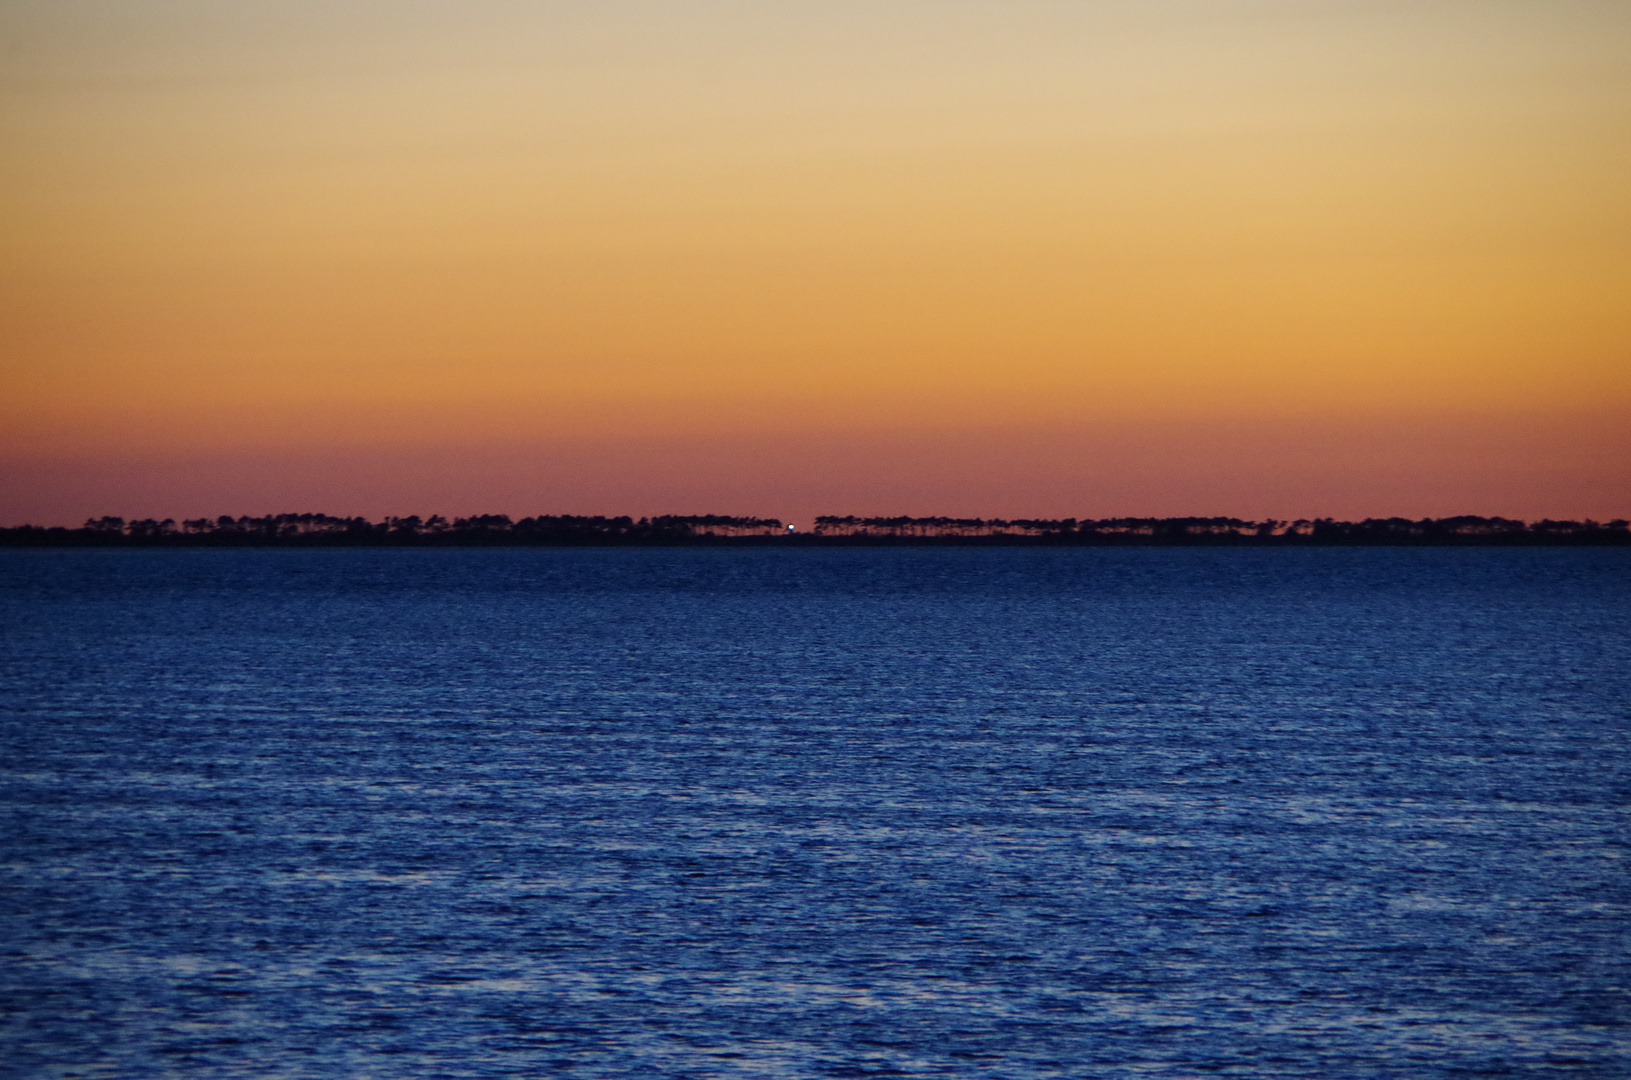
[322, 530]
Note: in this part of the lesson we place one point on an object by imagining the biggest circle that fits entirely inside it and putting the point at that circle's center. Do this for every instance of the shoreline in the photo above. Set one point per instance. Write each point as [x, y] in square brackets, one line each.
[1323, 535]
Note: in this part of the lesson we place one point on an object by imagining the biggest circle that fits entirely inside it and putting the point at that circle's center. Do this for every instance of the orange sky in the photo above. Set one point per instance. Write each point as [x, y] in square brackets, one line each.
[1052, 257]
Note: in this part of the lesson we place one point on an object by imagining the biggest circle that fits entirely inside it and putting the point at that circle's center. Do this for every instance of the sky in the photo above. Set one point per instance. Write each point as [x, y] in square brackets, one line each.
[1090, 258]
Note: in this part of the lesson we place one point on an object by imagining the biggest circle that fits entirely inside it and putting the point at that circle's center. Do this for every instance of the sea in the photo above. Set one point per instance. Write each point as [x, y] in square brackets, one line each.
[759, 813]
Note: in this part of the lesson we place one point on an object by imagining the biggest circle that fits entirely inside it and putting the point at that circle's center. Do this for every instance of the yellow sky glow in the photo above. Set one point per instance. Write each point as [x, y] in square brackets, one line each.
[406, 224]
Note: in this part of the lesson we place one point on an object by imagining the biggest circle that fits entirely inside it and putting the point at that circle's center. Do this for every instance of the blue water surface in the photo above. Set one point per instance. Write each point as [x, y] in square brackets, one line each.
[807, 813]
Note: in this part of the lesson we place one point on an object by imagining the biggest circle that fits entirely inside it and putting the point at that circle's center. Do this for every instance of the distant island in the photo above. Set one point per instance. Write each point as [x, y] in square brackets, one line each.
[322, 530]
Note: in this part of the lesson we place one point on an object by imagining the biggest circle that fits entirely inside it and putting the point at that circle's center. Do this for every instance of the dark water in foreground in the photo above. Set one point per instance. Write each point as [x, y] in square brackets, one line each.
[951, 813]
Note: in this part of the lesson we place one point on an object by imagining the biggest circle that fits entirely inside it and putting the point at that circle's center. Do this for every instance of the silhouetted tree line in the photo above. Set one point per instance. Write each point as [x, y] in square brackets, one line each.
[323, 530]
[1226, 530]
[570, 529]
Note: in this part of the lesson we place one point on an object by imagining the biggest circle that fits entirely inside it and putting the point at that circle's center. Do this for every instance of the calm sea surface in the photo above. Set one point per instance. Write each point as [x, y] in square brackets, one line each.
[1007, 814]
